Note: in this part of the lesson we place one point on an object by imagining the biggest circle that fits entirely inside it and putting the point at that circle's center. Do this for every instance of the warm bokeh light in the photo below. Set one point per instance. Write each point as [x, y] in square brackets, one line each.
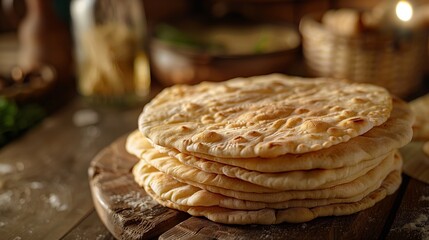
[404, 11]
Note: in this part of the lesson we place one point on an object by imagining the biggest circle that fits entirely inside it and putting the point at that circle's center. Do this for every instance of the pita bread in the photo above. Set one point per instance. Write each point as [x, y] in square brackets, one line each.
[239, 179]
[180, 193]
[135, 143]
[264, 116]
[371, 181]
[292, 215]
[271, 149]
[420, 107]
[394, 133]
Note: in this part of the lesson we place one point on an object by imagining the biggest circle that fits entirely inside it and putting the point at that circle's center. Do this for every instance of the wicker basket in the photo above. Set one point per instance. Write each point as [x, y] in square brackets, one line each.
[381, 59]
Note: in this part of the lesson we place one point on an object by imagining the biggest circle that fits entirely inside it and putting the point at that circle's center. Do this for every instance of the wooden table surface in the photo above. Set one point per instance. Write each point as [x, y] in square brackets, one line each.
[44, 189]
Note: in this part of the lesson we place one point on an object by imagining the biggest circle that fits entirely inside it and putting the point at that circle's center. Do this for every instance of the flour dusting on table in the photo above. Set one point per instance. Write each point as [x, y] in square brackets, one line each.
[419, 224]
[424, 198]
[135, 200]
[55, 202]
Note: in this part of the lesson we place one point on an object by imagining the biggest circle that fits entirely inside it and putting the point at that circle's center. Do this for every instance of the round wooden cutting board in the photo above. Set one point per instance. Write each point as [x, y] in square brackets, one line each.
[129, 213]
[123, 206]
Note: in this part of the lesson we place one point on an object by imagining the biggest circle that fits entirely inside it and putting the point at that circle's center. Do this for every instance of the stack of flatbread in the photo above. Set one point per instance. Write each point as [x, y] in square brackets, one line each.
[271, 149]
[418, 166]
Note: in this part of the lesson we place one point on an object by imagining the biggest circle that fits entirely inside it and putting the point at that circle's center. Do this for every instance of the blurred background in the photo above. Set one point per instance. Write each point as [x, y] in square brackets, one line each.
[120, 53]
[76, 73]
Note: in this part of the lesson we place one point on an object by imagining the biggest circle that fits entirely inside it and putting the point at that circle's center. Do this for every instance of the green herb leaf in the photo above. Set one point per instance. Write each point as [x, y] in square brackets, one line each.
[15, 119]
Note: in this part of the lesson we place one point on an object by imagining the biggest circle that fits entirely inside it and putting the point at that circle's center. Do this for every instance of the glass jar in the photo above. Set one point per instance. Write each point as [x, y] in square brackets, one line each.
[111, 61]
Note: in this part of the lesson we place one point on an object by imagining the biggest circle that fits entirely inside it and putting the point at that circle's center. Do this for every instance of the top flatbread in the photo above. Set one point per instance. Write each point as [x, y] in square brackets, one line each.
[394, 133]
[264, 116]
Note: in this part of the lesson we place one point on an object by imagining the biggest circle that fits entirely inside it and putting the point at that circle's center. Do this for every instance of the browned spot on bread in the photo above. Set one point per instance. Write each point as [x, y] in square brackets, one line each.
[209, 136]
[274, 144]
[354, 122]
[253, 134]
[184, 128]
[239, 139]
[359, 100]
[357, 120]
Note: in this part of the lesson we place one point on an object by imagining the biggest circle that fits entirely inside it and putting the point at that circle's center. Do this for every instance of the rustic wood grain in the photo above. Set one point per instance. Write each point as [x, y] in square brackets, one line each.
[44, 189]
[89, 229]
[412, 218]
[124, 207]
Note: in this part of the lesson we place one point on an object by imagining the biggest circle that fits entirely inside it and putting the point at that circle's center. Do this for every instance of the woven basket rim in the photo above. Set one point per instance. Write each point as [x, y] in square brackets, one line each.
[313, 21]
